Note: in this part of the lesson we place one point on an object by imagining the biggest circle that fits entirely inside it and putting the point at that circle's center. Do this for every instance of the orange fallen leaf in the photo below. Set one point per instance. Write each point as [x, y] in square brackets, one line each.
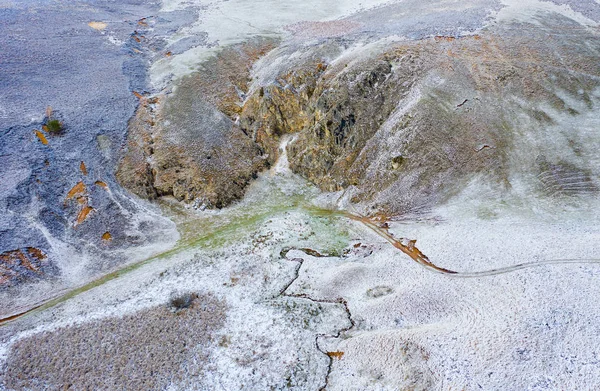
[77, 190]
[101, 184]
[83, 214]
[97, 25]
[107, 237]
[337, 355]
[83, 168]
[42, 138]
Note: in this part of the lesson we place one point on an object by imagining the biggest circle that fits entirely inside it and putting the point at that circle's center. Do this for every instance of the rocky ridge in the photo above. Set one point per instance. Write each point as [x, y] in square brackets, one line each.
[188, 145]
[397, 126]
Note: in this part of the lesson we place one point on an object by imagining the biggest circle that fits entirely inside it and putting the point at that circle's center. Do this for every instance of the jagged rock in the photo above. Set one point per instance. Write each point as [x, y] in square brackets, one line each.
[187, 144]
[408, 126]
[282, 107]
[134, 171]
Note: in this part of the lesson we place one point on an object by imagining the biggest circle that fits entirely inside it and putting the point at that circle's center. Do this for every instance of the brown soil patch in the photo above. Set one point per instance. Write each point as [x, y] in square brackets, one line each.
[147, 350]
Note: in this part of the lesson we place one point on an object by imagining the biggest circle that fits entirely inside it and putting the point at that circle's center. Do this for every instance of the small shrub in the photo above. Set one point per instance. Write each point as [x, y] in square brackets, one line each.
[182, 301]
[54, 126]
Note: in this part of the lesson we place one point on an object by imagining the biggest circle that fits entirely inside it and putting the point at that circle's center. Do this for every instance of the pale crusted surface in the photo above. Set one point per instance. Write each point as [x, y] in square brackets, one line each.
[481, 140]
[265, 340]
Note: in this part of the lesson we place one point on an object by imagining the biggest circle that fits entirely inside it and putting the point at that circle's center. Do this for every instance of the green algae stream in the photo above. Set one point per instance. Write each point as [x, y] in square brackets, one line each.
[211, 231]
[237, 222]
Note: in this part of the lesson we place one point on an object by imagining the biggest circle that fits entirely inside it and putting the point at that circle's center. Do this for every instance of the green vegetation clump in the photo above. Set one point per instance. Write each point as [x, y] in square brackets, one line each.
[54, 126]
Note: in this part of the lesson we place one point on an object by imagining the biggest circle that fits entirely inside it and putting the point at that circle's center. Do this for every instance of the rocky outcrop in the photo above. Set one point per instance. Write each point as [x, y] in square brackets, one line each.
[406, 127]
[282, 107]
[134, 171]
[399, 127]
[187, 144]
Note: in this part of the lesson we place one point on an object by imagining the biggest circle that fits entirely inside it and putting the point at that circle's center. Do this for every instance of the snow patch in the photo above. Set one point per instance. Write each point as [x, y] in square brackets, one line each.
[235, 21]
[529, 11]
[282, 167]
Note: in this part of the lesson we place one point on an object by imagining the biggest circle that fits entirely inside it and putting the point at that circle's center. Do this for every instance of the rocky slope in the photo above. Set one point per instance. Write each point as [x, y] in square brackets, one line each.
[399, 126]
[187, 144]
[411, 124]
[80, 65]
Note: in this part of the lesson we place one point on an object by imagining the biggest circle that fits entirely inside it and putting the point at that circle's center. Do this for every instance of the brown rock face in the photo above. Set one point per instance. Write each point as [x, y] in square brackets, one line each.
[283, 107]
[223, 81]
[187, 145]
[202, 154]
[411, 125]
[134, 171]
[401, 128]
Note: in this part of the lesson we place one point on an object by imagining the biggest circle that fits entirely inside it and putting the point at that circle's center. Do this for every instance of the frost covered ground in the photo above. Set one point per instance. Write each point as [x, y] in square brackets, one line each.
[304, 300]
[386, 322]
[402, 326]
[267, 339]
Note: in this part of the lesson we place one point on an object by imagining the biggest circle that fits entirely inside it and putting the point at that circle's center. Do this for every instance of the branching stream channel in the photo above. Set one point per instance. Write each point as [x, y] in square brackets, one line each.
[274, 193]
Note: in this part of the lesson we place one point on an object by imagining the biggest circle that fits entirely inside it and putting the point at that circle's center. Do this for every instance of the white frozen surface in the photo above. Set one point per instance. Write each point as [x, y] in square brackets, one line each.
[416, 328]
[235, 21]
[534, 329]
[530, 11]
[229, 22]
[268, 339]
[282, 166]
